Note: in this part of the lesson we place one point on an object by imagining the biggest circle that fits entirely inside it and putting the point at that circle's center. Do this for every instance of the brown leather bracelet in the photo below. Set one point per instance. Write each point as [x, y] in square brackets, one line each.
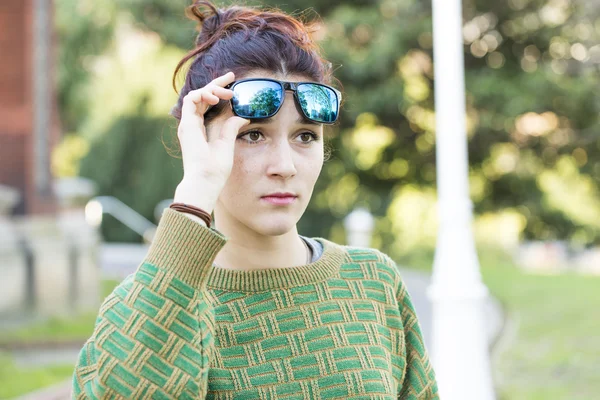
[189, 209]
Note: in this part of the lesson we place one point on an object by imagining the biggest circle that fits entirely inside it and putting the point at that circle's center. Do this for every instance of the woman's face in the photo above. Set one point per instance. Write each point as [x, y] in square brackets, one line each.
[279, 155]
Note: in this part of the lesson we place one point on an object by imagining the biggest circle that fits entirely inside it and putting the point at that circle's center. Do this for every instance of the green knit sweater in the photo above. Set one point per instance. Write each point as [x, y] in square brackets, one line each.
[342, 327]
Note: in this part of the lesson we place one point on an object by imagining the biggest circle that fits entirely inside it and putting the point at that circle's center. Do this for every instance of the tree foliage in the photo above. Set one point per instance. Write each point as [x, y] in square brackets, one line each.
[85, 29]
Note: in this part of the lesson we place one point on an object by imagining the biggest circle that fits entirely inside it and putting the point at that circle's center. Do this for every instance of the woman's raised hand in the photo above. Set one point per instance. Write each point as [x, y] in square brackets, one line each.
[207, 153]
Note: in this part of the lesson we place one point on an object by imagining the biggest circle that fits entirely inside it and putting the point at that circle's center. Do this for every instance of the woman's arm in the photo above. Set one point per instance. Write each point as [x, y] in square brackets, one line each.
[419, 381]
[154, 333]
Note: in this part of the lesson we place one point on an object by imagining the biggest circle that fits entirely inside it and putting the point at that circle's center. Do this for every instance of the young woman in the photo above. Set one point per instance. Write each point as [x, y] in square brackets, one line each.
[247, 308]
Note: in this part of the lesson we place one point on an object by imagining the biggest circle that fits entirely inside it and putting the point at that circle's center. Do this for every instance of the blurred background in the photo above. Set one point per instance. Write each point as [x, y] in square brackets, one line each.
[85, 91]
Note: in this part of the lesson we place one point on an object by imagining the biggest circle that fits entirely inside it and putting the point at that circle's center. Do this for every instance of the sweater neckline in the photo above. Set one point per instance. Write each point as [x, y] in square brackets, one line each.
[258, 280]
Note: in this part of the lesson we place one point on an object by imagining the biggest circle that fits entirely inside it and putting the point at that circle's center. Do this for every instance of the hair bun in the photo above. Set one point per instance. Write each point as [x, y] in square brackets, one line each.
[208, 17]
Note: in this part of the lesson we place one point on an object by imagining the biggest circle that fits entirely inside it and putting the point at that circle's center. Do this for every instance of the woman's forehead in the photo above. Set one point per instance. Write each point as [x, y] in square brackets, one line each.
[259, 73]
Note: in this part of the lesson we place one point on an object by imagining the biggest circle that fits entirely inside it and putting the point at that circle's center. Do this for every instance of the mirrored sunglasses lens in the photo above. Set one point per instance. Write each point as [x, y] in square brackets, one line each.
[319, 102]
[256, 99]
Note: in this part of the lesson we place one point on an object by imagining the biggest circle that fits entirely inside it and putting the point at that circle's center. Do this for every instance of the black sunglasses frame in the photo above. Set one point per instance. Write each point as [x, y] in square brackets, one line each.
[285, 85]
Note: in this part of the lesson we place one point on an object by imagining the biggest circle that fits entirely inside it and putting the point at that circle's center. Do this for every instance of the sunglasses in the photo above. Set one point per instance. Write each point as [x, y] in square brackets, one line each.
[259, 98]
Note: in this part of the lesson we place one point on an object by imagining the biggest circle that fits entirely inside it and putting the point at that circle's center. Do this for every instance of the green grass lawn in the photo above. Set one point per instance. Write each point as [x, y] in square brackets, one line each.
[554, 326]
[57, 329]
[550, 349]
[15, 381]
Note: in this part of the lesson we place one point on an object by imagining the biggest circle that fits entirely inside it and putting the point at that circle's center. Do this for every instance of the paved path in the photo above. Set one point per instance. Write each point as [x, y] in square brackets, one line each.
[60, 391]
[117, 260]
[27, 358]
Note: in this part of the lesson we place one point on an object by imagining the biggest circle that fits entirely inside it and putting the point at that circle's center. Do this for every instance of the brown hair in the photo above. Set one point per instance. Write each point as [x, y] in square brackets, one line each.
[242, 39]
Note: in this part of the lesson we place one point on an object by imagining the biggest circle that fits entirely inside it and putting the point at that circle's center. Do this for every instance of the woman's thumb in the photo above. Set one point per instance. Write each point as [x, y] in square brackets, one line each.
[231, 128]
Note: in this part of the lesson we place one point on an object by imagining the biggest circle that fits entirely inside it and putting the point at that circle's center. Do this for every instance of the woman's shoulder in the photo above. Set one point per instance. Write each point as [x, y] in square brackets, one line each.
[358, 253]
[383, 264]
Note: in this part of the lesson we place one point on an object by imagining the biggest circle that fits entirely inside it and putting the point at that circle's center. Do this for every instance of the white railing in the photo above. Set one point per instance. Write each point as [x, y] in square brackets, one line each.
[100, 205]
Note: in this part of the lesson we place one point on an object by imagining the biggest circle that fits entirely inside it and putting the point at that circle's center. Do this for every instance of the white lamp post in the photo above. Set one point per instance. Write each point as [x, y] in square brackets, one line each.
[460, 346]
[359, 226]
[42, 10]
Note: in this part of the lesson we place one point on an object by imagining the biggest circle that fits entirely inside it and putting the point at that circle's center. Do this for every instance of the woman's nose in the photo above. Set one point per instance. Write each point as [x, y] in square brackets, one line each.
[281, 161]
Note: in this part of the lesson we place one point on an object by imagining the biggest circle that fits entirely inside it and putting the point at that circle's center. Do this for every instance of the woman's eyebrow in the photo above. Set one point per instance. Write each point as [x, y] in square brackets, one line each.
[305, 121]
[261, 121]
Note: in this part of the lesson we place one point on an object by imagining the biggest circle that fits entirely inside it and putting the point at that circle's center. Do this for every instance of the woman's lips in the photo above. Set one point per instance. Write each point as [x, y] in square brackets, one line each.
[279, 201]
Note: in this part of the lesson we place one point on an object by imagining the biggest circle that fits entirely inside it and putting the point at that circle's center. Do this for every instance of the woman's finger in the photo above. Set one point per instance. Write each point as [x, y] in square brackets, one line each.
[195, 104]
[202, 98]
[209, 98]
[225, 138]
[222, 93]
[197, 95]
[189, 111]
[223, 80]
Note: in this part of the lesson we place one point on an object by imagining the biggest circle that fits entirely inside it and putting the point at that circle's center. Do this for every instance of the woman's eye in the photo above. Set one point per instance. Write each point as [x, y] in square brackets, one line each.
[307, 137]
[254, 136]
[251, 137]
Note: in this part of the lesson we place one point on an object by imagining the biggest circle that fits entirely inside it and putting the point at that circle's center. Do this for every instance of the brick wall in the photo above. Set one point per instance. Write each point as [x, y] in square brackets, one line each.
[13, 24]
[16, 105]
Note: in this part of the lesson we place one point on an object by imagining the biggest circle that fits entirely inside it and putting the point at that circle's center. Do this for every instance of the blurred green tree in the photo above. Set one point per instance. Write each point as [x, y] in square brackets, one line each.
[85, 30]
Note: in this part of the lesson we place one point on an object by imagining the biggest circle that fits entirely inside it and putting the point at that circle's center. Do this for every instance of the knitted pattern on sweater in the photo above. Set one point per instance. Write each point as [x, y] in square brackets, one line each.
[342, 327]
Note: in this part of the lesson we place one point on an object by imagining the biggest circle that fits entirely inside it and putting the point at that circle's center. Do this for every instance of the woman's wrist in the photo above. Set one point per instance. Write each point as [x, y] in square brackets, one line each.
[195, 219]
[188, 194]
